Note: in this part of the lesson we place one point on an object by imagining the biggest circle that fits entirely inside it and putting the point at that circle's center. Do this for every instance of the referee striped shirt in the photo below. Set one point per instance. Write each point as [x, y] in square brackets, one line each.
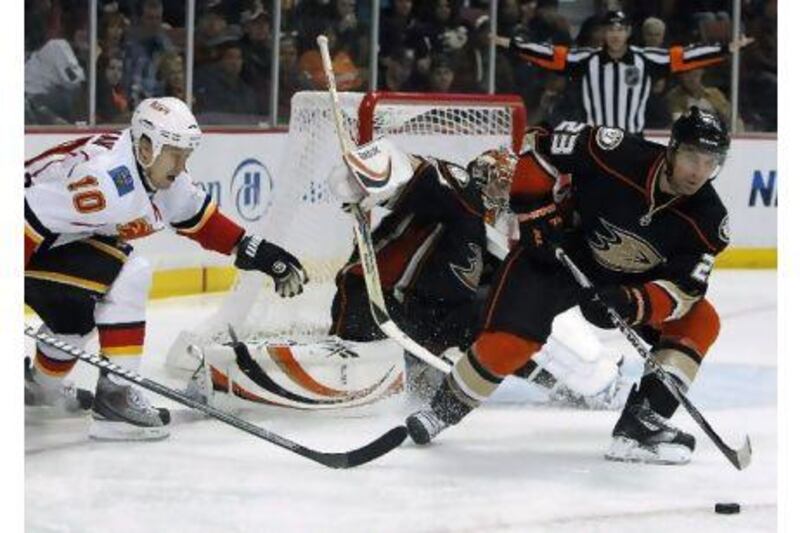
[614, 92]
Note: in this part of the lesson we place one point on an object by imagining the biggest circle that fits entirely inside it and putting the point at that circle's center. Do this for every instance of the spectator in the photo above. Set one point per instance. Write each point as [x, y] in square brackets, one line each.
[53, 82]
[348, 76]
[312, 17]
[472, 74]
[690, 91]
[112, 101]
[446, 32]
[653, 32]
[257, 52]
[111, 38]
[760, 71]
[400, 27]
[290, 79]
[212, 29]
[398, 70]
[556, 103]
[352, 34]
[441, 75]
[172, 75]
[221, 92]
[509, 15]
[547, 24]
[657, 114]
[42, 23]
[148, 41]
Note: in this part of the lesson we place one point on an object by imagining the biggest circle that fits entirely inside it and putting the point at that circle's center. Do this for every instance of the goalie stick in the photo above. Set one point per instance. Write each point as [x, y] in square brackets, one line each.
[740, 458]
[383, 444]
[366, 251]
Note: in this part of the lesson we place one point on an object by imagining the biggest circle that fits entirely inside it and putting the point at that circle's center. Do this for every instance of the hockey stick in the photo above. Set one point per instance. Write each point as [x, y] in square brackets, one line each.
[383, 444]
[740, 458]
[366, 251]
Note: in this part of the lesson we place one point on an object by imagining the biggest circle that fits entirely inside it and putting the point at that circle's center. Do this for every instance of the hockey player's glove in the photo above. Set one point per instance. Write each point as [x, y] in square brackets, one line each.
[540, 230]
[631, 302]
[254, 253]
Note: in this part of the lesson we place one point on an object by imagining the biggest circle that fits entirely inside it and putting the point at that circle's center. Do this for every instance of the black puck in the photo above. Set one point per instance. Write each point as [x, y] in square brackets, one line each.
[727, 508]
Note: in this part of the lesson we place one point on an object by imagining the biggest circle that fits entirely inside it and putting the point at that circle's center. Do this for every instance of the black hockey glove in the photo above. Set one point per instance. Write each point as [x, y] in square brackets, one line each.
[629, 301]
[540, 230]
[254, 253]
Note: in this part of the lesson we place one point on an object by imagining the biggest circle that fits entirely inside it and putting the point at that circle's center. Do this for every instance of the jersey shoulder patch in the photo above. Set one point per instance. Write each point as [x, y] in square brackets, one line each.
[122, 178]
[608, 138]
[724, 231]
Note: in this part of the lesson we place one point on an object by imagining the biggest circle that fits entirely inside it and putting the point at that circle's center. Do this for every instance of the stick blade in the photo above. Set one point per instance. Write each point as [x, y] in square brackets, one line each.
[380, 446]
[743, 455]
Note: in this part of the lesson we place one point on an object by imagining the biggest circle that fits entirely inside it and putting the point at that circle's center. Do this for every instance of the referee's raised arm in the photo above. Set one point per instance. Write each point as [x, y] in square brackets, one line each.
[616, 81]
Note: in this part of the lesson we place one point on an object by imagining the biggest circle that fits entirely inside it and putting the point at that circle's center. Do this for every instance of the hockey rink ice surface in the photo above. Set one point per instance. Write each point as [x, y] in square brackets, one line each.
[513, 465]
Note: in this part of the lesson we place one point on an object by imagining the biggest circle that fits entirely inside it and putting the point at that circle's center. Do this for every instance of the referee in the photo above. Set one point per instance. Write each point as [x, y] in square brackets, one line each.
[616, 79]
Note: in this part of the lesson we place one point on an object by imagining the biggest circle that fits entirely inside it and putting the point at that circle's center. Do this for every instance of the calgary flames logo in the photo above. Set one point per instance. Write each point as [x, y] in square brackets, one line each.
[622, 251]
[135, 229]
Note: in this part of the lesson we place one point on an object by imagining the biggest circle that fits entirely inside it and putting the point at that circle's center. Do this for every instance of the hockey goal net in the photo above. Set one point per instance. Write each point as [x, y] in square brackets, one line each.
[305, 218]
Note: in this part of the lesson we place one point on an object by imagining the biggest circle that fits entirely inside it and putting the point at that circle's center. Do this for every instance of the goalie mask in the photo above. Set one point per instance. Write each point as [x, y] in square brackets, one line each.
[493, 171]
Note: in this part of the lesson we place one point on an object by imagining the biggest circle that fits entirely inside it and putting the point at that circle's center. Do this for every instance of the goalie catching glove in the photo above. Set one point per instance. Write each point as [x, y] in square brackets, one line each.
[254, 253]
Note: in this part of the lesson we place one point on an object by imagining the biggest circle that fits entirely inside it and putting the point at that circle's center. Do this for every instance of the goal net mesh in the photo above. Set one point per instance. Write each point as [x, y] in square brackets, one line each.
[304, 218]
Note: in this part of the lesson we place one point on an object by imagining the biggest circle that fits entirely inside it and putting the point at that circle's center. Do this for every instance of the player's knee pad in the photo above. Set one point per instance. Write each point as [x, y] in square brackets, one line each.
[127, 298]
[502, 353]
[697, 329]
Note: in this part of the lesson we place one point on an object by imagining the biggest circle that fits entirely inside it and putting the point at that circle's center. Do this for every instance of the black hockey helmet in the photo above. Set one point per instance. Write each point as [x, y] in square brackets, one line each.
[616, 17]
[703, 130]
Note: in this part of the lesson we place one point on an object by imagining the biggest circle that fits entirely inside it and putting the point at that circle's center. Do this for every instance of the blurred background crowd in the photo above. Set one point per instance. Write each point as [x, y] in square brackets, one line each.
[225, 67]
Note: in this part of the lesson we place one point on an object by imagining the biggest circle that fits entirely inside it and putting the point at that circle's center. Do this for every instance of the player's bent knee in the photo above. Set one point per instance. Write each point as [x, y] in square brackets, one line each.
[134, 280]
[698, 328]
[502, 353]
[127, 298]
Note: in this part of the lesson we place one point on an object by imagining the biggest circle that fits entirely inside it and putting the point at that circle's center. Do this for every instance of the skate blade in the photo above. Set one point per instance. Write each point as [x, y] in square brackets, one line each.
[108, 431]
[626, 450]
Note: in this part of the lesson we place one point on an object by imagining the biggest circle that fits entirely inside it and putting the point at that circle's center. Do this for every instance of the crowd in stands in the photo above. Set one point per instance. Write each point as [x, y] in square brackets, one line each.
[432, 46]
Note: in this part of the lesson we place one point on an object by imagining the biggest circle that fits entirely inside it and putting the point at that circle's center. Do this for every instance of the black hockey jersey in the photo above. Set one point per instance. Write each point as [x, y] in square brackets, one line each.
[430, 246]
[626, 230]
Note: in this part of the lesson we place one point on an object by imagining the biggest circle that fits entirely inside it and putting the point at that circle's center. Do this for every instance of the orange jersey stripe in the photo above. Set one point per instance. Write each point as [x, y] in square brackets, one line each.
[677, 64]
[215, 231]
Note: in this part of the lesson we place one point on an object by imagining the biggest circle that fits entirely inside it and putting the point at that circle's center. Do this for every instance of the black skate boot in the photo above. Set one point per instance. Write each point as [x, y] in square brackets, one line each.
[641, 435]
[66, 397]
[121, 412]
[424, 425]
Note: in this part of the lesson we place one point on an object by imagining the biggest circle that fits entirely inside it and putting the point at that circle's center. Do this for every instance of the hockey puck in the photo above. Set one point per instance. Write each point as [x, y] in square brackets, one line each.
[727, 508]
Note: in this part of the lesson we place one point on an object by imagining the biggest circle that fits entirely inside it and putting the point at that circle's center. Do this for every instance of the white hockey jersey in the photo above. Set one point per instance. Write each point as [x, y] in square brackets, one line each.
[91, 186]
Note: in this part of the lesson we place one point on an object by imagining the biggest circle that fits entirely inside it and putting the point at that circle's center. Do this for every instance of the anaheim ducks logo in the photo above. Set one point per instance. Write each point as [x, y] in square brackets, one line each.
[470, 275]
[622, 251]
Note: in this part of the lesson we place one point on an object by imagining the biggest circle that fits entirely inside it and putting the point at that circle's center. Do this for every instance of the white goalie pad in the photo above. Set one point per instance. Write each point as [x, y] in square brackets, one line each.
[327, 374]
[378, 169]
[576, 357]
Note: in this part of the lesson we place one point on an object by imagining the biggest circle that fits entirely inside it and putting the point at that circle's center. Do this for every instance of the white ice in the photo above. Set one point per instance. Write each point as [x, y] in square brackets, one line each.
[512, 465]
